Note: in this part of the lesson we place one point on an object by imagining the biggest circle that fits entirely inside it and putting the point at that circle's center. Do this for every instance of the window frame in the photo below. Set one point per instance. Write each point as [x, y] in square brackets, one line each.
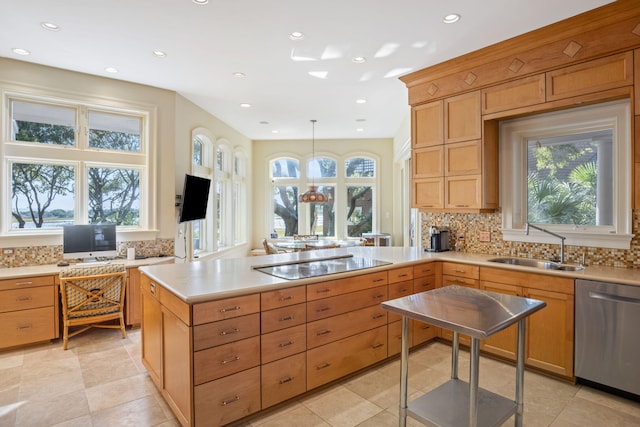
[513, 136]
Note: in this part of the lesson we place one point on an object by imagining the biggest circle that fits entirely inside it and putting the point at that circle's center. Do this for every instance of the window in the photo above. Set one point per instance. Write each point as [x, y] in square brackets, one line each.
[348, 184]
[201, 165]
[60, 175]
[239, 201]
[571, 172]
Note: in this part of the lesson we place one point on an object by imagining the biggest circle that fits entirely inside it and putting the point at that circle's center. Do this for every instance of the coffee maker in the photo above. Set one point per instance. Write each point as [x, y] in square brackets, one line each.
[438, 239]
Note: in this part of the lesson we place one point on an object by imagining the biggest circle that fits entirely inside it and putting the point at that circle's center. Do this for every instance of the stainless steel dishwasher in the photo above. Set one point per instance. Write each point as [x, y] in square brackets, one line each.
[607, 346]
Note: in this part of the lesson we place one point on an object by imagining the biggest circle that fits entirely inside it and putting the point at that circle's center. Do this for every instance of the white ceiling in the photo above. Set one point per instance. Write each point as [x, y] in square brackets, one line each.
[206, 44]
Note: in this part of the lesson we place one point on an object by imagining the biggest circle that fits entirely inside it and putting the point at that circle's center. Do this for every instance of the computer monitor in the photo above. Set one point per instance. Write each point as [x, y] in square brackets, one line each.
[88, 241]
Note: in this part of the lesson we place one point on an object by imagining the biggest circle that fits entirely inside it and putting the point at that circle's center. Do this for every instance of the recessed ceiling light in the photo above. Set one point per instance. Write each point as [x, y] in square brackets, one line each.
[49, 26]
[239, 75]
[159, 53]
[264, 122]
[111, 70]
[275, 131]
[451, 18]
[296, 35]
[200, 2]
[361, 101]
[245, 105]
[20, 51]
[361, 120]
[359, 130]
[359, 59]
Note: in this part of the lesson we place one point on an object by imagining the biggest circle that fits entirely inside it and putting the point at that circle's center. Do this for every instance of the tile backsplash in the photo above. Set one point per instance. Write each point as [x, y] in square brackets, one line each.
[41, 255]
[472, 224]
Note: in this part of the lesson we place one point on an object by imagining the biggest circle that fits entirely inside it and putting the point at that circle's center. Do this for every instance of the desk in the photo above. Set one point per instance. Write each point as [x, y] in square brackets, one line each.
[300, 245]
[478, 314]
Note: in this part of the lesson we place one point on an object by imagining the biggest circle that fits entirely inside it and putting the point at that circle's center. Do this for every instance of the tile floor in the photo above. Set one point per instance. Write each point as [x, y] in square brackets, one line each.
[100, 381]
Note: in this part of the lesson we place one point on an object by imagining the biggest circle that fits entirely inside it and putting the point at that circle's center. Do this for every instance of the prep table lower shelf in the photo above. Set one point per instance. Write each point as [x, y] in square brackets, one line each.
[448, 405]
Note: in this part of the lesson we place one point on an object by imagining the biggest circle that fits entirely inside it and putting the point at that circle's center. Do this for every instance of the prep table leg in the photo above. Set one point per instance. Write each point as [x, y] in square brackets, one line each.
[404, 371]
[473, 381]
[520, 373]
[454, 355]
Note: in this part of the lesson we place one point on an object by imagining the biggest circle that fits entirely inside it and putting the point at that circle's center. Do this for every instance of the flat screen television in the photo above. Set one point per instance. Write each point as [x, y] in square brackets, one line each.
[195, 197]
[88, 241]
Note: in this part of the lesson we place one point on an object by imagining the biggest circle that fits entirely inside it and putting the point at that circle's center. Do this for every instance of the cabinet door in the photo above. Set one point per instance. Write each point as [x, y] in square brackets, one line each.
[463, 158]
[463, 192]
[132, 297]
[427, 162]
[428, 124]
[462, 117]
[515, 94]
[427, 193]
[549, 340]
[152, 336]
[503, 343]
[176, 365]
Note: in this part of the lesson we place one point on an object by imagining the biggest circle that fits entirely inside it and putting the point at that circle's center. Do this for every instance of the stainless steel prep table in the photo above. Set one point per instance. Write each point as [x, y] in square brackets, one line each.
[478, 314]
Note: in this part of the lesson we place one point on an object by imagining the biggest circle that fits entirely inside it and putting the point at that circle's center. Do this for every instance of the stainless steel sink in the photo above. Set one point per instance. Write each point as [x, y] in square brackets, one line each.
[534, 263]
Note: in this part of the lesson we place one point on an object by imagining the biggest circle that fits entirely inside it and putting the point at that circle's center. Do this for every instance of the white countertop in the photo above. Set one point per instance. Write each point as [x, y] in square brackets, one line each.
[201, 281]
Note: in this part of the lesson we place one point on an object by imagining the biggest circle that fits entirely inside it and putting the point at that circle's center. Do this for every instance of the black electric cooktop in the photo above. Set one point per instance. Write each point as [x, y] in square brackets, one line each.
[306, 269]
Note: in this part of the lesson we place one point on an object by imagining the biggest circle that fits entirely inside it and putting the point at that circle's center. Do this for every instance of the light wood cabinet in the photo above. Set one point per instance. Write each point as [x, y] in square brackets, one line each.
[428, 193]
[503, 343]
[462, 117]
[463, 158]
[593, 76]
[463, 192]
[28, 310]
[283, 379]
[151, 322]
[461, 275]
[428, 124]
[550, 331]
[428, 162]
[515, 94]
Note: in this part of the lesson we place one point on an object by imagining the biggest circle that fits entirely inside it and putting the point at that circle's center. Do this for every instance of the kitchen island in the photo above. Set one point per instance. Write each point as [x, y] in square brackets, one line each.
[222, 340]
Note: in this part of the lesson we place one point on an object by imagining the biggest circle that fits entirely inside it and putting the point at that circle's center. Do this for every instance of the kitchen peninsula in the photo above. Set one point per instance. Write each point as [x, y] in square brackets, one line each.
[223, 341]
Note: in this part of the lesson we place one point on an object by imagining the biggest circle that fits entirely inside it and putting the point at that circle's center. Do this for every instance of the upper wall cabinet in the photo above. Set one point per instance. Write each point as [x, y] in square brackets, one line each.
[462, 117]
[428, 124]
[515, 94]
[593, 76]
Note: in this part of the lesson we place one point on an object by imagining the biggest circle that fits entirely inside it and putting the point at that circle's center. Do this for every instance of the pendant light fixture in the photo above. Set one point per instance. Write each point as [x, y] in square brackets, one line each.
[312, 195]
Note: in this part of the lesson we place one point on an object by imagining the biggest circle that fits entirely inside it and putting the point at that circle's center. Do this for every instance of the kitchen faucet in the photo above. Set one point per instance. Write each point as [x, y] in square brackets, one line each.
[526, 231]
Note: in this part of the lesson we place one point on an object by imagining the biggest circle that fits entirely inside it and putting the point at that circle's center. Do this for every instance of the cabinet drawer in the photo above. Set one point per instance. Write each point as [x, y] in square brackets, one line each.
[225, 331]
[394, 338]
[461, 270]
[227, 399]
[424, 284]
[328, 307]
[218, 362]
[332, 361]
[400, 274]
[27, 326]
[286, 342]
[397, 290]
[421, 332]
[25, 298]
[334, 328]
[283, 379]
[426, 269]
[460, 281]
[528, 280]
[342, 286]
[225, 309]
[283, 297]
[285, 317]
[26, 282]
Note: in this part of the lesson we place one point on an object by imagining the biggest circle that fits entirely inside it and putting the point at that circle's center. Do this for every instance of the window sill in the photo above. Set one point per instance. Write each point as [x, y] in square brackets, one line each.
[597, 240]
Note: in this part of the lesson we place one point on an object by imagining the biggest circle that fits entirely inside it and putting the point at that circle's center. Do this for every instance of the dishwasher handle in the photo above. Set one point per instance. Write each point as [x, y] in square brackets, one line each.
[613, 298]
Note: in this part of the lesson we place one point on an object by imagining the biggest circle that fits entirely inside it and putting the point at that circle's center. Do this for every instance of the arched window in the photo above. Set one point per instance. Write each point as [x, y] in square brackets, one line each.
[360, 174]
[285, 182]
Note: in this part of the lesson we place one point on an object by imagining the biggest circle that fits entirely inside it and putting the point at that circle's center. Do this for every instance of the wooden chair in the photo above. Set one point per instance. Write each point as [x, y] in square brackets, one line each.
[270, 248]
[314, 247]
[92, 295]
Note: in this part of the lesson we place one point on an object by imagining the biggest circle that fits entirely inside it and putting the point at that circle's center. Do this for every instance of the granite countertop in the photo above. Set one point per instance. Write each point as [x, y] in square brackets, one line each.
[223, 278]
[42, 270]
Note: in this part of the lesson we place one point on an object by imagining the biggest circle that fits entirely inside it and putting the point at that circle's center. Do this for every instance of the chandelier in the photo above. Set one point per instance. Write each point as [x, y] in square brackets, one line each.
[312, 195]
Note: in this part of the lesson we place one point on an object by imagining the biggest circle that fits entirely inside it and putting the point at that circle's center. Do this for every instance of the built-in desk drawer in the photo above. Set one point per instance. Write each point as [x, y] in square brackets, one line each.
[26, 298]
[225, 331]
[26, 282]
[27, 326]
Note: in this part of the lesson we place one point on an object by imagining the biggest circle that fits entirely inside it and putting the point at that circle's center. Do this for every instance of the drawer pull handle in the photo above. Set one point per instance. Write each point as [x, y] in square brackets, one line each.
[377, 346]
[404, 290]
[404, 275]
[224, 310]
[323, 332]
[285, 344]
[323, 291]
[462, 206]
[152, 288]
[459, 271]
[233, 359]
[324, 365]
[287, 298]
[378, 296]
[286, 380]
[230, 401]
[378, 280]
[23, 299]
[377, 316]
[23, 327]
[320, 310]
[232, 331]
[24, 283]
[425, 327]
[285, 318]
